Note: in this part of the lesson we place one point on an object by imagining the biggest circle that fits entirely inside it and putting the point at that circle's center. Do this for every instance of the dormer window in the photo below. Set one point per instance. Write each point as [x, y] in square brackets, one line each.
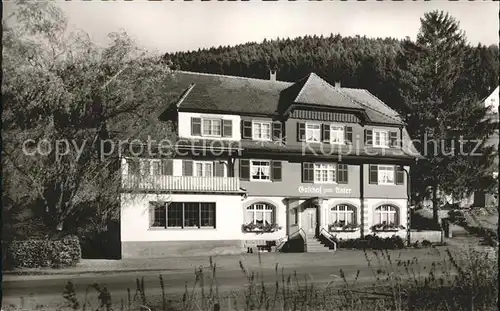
[261, 130]
[313, 132]
[380, 138]
[211, 127]
[337, 134]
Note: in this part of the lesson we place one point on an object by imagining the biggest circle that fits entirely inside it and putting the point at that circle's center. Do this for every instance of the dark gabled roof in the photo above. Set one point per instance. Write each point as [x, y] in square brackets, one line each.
[229, 94]
[240, 95]
[316, 91]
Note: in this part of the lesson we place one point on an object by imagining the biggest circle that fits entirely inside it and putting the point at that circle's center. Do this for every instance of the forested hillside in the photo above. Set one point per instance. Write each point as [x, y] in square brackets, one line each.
[359, 62]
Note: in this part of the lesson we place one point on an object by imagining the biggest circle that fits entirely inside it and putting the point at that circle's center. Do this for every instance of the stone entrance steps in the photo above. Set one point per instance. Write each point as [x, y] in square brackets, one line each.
[314, 245]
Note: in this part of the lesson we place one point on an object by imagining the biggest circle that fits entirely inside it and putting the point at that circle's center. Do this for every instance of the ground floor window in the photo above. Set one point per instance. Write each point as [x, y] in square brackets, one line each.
[182, 215]
[260, 214]
[342, 214]
[386, 214]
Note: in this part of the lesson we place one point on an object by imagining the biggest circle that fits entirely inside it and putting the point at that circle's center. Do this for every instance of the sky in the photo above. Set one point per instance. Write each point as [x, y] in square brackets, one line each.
[170, 26]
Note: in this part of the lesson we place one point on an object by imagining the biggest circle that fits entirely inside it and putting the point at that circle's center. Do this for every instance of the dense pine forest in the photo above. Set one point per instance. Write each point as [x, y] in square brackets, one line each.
[358, 62]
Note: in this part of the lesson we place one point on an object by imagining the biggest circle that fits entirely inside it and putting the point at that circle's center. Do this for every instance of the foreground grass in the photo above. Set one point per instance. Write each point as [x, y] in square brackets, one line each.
[463, 280]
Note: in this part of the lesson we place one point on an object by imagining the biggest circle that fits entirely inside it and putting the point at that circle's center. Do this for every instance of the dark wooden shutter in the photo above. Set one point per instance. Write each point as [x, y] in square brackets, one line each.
[277, 130]
[307, 172]
[276, 170]
[342, 174]
[325, 133]
[244, 169]
[393, 139]
[301, 131]
[373, 174]
[187, 168]
[219, 169]
[246, 129]
[167, 167]
[369, 137]
[227, 128]
[348, 134]
[400, 175]
[196, 126]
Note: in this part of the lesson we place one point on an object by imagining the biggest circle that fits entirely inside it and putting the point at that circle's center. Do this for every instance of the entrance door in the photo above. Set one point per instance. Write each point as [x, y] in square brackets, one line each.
[309, 221]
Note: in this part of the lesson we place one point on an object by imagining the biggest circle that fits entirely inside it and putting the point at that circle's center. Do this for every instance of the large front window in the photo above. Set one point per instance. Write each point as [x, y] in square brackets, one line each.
[313, 132]
[380, 138]
[342, 215]
[385, 174]
[260, 170]
[182, 215]
[261, 130]
[211, 127]
[386, 214]
[260, 214]
[336, 134]
[324, 173]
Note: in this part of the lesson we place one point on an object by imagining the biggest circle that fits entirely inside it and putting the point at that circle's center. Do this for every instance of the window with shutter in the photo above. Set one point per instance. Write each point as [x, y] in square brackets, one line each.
[342, 174]
[277, 130]
[195, 126]
[276, 170]
[368, 137]
[373, 174]
[261, 130]
[244, 169]
[227, 128]
[337, 134]
[307, 172]
[380, 138]
[348, 135]
[301, 131]
[246, 129]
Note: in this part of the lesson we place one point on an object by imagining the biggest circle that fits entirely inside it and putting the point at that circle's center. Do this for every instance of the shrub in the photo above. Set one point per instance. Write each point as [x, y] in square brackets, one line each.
[373, 242]
[426, 243]
[33, 253]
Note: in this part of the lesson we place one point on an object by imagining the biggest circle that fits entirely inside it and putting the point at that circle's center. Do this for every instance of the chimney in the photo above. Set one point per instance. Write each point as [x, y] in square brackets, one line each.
[337, 84]
[272, 75]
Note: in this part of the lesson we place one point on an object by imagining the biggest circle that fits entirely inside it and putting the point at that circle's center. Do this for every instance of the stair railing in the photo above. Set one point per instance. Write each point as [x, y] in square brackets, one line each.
[328, 236]
[302, 234]
[281, 242]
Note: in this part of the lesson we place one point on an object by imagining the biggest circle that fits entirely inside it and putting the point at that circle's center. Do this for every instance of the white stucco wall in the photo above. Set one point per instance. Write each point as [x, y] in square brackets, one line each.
[135, 218]
[184, 127]
[229, 218]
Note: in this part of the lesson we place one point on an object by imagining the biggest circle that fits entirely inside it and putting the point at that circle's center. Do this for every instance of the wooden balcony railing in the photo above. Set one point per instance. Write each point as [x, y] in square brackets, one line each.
[180, 183]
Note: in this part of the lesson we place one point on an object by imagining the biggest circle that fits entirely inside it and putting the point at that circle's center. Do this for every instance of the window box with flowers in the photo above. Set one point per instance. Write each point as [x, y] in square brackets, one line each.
[341, 226]
[384, 226]
[260, 228]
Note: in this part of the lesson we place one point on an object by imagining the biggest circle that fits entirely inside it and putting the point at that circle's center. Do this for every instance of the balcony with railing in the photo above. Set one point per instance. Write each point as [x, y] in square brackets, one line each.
[180, 183]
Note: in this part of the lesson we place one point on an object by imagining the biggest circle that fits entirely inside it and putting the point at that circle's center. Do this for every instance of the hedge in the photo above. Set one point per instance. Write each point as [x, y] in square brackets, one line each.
[36, 253]
[372, 242]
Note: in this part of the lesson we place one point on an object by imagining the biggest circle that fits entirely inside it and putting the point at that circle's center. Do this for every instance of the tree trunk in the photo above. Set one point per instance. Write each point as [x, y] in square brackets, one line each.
[435, 204]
